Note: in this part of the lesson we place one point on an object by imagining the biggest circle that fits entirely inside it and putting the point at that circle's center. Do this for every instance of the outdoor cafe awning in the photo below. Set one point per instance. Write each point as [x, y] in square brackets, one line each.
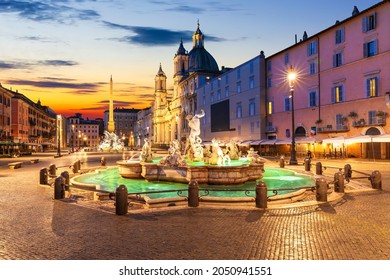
[357, 139]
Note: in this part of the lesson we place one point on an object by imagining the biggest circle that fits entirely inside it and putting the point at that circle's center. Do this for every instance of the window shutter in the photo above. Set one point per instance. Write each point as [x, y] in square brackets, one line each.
[334, 60]
[341, 93]
[333, 97]
[368, 91]
[376, 50]
[364, 24]
[374, 23]
[342, 34]
[365, 50]
[376, 86]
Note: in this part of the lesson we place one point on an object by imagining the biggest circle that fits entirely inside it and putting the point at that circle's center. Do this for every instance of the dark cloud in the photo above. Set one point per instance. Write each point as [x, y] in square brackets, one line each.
[58, 62]
[14, 65]
[56, 84]
[152, 36]
[46, 10]
[186, 9]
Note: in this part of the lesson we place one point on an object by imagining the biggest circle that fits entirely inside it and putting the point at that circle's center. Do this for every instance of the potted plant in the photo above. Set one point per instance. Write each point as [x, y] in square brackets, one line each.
[318, 121]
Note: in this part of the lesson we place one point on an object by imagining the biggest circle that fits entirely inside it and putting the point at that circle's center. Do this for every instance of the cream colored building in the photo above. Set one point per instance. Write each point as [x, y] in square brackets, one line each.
[191, 70]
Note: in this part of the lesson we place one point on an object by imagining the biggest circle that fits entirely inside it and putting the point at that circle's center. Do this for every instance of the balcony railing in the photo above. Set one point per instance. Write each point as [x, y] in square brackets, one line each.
[271, 129]
[330, 128]
[373, 121]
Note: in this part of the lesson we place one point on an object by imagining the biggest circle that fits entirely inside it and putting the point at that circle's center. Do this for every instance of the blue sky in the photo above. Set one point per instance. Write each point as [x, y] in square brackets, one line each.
[63, 52]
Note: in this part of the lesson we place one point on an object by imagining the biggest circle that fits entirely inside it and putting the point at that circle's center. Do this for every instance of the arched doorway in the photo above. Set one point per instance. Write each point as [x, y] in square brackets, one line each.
[373, 149]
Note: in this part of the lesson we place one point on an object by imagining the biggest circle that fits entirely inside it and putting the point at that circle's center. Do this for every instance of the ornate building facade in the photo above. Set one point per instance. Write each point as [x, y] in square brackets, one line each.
[191, 70]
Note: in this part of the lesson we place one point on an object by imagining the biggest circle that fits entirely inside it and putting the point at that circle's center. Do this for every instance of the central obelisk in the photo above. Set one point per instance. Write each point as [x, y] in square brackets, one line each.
[111, 123]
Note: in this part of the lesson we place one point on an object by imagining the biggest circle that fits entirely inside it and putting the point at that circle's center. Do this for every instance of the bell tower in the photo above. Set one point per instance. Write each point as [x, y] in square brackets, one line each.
[160, 88]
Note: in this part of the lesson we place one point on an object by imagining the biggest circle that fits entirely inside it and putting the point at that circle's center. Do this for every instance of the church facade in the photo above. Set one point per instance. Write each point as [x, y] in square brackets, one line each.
[192, 70]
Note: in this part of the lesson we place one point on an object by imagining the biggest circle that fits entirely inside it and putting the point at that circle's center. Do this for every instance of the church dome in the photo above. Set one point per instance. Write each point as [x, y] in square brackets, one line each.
[200, 60]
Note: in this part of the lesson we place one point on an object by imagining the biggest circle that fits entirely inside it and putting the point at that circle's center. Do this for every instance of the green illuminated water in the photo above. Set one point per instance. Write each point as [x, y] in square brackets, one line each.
[274, 178]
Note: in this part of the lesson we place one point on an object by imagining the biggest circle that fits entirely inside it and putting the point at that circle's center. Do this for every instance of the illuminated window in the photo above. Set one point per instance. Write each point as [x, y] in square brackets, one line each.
[338, 94]
[270, 107]
[372, 87]
[239, 110]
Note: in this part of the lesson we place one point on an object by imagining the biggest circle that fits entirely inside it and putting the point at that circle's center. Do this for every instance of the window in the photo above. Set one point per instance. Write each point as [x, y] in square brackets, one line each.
[313, 67]
[251, 82]
[239, 110]
[227, 79]
[219, 94]
[252, 107]
[313, 98]
[372, 117]
[372, 87]
[269, 82]
[238, 87]
[251, 68]
[338, 59]
[252, 127]
[339, 36]
[204, 99]
[270, 107]
[339, 121]
[269, 65]
[286, 59]
[311, 48]
[226, 91]
[369, 22]
[212, 97]
[338, 94]
[238, 74]
[287, 104]
[370, 48]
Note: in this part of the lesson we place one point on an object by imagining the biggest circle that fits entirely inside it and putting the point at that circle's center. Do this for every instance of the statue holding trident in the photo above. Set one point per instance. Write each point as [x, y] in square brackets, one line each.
[194, 148]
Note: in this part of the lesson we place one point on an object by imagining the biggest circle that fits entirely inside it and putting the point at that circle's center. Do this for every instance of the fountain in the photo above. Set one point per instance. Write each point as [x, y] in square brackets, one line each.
[212, 167]
[111, 142]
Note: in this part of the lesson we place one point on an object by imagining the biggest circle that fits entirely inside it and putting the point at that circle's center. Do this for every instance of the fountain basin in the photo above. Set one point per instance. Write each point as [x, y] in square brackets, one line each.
[204, 174]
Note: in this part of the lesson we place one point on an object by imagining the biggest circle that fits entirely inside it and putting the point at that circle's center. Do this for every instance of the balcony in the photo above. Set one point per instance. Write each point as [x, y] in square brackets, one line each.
[369, 122]
[330, 128]
[271, 129]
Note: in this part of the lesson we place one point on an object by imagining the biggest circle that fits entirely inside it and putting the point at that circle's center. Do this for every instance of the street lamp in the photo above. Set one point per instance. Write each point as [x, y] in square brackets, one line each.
[59, 135]
[72, 138]
[291, 77]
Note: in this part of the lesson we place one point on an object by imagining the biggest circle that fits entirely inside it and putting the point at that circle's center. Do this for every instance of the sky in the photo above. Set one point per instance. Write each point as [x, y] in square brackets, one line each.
[63, 52]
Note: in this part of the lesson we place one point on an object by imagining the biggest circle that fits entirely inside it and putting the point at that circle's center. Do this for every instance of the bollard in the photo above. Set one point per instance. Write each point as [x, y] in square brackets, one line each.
[281, 162]
[307, 164]
[261, 195]
[103, 161]
[75, 167]
[43, 176]
[59, 188]
[376, 180]
[321, 190]
[193, 194]
[121, 202]
[347, 172]
[52, 170]
[319, 168]
[339, 182]
[65, 175]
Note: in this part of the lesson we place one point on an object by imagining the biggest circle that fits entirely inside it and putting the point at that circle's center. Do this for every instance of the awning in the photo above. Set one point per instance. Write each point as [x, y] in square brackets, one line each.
[245, 143]
[358, 139]
[257, 142]
[381, 138]
[307, 140]
[334, 140]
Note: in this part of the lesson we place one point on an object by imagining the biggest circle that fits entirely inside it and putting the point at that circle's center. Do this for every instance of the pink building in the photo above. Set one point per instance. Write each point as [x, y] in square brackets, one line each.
[341, 95]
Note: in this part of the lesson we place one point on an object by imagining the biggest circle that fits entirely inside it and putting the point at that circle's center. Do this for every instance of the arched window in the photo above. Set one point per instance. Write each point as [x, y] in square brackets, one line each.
[373, 131]
[300, 131]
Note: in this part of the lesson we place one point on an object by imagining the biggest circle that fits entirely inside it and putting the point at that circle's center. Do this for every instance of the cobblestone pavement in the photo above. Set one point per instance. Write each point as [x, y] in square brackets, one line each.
[34, 226]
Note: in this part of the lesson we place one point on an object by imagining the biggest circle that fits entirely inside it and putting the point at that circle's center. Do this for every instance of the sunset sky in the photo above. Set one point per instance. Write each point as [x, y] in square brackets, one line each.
[63, 52]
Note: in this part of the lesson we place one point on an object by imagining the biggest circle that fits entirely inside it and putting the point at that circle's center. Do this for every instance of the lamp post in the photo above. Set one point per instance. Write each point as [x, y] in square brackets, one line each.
[291, 76]
[59, 135]
[72, 138]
